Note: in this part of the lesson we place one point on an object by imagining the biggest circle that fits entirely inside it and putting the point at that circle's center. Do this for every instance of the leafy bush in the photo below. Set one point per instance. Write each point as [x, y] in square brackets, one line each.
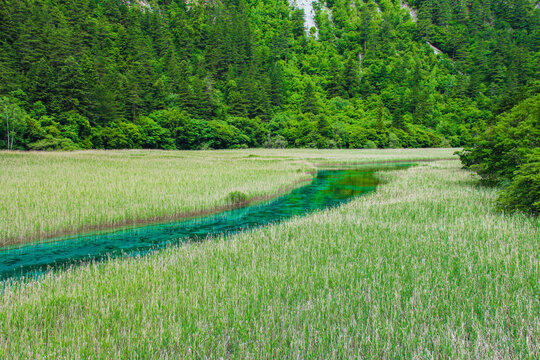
[524, 192]
[275, 142]
[370, 145]
[51, 143]
[506, 154]
[237, 198]
[393, 141]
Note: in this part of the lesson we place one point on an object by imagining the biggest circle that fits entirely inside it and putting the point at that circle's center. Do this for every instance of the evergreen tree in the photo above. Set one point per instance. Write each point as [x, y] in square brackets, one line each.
[335, 86]
[309, 103]
[351, 78]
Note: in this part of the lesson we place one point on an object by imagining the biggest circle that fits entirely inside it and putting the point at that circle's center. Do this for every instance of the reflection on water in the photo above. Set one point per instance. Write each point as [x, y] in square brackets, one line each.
[329, 188]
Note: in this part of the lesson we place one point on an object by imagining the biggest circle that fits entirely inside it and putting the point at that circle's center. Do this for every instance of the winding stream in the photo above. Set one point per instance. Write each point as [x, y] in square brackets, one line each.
[329, 188]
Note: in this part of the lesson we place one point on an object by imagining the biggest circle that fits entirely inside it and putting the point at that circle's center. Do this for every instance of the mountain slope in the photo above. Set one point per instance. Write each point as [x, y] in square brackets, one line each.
[212, 74]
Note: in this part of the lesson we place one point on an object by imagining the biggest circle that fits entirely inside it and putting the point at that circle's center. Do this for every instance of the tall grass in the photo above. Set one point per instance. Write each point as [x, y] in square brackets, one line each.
[44, 194]
[423, 268]
[48, 194]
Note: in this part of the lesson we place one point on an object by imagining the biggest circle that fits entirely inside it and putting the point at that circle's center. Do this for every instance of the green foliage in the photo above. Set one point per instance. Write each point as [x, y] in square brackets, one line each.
[370, 145]
[502, 148]
[12, 123]
[236, 198]
[51, 143]
[393, 141]
[507, 154]
[524, 191]
[275, 142]
[114, 74]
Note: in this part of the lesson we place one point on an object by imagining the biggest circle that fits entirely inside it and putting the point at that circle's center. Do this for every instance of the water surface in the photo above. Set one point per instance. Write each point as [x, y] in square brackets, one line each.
[329, 188]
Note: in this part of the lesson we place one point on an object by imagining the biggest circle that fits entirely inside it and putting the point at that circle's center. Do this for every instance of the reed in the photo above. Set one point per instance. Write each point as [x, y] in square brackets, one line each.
[55, 193]
[422, 268]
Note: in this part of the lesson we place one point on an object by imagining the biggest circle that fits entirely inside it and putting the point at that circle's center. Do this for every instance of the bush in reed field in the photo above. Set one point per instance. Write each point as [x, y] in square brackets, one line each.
[237, 197]
[422, 268]
[44, 194]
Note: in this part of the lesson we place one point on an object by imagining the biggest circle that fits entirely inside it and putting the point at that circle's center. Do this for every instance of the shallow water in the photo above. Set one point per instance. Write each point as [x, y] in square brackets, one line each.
[329, 188]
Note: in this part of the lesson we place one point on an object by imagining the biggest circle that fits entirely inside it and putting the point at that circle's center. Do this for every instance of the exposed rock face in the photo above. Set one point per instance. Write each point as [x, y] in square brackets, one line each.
[145, 5]
[436, 50]
[309, 13]
[412, 12]
[414, 16]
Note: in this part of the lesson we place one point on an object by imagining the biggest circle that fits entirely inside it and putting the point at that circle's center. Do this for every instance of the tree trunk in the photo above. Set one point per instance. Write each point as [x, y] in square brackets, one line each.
[7, 126]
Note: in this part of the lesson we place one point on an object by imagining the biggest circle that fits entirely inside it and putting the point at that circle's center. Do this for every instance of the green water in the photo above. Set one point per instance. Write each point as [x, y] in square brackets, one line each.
[329, 188]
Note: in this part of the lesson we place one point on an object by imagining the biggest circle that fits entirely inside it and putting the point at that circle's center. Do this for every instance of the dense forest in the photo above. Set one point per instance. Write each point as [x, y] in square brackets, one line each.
[177, 74]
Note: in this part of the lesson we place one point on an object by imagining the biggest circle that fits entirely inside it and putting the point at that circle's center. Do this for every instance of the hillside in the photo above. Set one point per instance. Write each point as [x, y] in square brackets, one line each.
[227, 74]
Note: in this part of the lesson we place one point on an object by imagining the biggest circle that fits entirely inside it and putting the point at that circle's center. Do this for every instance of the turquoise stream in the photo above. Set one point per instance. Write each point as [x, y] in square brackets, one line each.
[329, 188]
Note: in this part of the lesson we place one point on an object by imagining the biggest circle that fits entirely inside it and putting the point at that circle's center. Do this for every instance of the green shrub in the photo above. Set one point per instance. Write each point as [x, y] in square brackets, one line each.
[523, 193]
[507, 154]
[393, 141]
[237, 198]
[370, 145]
[275, 142]
[51, 143]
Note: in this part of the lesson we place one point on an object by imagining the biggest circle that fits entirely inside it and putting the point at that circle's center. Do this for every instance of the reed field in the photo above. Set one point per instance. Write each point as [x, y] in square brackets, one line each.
[423, 268]
[46, 194]
[51, 193]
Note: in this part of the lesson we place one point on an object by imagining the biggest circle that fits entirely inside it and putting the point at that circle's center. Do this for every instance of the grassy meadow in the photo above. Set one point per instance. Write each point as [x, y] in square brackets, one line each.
[422, 268]
[53, 193]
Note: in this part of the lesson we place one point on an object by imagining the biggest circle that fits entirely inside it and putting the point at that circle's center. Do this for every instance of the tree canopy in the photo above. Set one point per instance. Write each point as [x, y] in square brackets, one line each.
[175, 74]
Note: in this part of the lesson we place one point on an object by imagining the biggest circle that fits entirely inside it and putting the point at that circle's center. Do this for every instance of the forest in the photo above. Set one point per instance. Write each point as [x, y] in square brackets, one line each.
[192, 75]
[175, 74]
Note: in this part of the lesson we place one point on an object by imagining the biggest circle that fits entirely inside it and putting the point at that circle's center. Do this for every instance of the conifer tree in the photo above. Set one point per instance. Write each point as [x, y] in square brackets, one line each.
[309, 103]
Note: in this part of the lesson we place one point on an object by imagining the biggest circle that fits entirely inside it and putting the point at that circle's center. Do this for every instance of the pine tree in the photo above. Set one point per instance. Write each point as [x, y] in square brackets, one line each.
[297, 20]
[186, 97]
[335, 86]
[276, 90]
[351, 78]
[70, 83]
[424, 23]
[309, 103]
